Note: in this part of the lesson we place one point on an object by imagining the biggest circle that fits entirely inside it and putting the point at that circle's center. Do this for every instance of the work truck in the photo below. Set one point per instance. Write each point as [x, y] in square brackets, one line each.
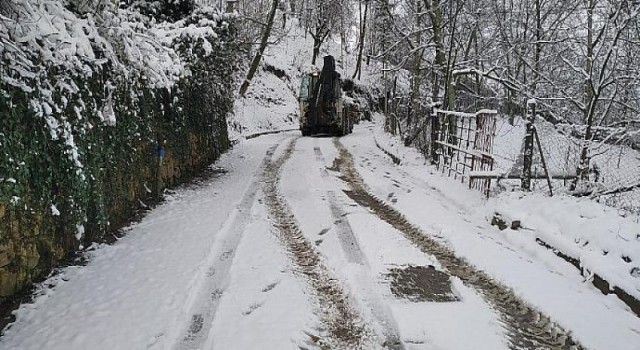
[321, 103]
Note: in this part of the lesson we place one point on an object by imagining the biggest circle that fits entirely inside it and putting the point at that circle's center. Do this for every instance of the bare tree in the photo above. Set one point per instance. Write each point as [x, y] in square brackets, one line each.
[604, 31]
[263, 44]
[361, 43]
[324, 18]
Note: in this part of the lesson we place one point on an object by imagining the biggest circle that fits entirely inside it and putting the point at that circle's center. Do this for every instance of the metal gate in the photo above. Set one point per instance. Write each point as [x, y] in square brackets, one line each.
[463, 145]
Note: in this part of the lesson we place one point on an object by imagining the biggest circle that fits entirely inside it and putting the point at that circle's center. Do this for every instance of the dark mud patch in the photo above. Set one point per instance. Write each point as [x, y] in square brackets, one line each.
[270, 287]
[420, 284]
[393, 157]
[280, 73]
[197, 321]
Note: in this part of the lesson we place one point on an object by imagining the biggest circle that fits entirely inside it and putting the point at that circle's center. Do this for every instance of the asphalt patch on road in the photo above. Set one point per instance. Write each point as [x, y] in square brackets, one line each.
[421, 284]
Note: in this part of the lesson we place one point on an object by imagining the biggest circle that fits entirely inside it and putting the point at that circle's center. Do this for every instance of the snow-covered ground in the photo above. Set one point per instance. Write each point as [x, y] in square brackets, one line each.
[363, 253]
[617, 164]
[208, 269]
[605, 240]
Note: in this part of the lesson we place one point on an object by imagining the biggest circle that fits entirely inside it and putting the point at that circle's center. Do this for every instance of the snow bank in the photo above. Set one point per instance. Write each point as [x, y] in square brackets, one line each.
[604, 242]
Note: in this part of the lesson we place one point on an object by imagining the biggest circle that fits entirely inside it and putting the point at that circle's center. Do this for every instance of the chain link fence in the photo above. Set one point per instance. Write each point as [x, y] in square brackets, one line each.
[449, 140]
[614, 164]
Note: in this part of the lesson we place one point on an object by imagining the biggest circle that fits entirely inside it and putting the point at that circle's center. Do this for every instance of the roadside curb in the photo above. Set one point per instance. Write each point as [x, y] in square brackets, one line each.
[262, 133]
[235, 141]
[602, 284]
[394, 158]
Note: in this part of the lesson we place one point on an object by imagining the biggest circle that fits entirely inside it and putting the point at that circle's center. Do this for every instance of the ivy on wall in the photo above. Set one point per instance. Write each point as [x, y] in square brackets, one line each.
[79, 149]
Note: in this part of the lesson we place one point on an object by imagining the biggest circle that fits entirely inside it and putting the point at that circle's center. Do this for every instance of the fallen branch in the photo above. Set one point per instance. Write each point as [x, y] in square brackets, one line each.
[617, 190]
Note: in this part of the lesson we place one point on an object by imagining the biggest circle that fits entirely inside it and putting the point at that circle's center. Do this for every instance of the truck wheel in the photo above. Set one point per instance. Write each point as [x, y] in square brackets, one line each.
[305, 132]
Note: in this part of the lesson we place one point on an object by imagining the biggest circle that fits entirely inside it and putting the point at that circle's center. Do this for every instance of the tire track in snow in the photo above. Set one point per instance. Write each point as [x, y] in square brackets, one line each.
[344, 232]
[365, 287]
[527, 328]
[344, 328]
[218, 264]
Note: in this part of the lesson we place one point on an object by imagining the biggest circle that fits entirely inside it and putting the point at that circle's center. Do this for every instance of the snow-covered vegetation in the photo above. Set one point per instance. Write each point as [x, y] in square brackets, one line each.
[614, 166]
[102, 104]
[573, 57]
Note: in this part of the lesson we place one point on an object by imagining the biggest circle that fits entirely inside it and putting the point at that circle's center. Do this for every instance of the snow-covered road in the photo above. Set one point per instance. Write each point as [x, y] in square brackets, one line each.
[320, 243]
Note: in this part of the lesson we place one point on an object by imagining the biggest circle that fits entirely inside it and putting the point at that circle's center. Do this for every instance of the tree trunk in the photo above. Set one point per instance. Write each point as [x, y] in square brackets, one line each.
[358, 71]
[263, 45]
[450, 89]
[582, 172]
[440, 63]
[536, 63]
[316, 50]
[415, 86]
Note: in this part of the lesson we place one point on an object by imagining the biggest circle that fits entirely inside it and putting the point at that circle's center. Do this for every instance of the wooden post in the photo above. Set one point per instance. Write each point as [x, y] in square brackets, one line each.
[544, 164]
[528, 145]
[435, 129]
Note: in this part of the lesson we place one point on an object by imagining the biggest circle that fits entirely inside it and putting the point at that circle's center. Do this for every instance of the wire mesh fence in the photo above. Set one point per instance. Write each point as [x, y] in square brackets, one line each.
[450, 140]
[614, 167]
